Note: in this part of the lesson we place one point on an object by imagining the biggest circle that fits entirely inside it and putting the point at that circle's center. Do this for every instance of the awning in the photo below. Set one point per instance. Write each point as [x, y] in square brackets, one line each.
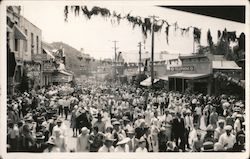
[165, 77]
[19, 33]
[147, 82]
[225, 65]
[49, 53]
[65, 73]
[188, 76]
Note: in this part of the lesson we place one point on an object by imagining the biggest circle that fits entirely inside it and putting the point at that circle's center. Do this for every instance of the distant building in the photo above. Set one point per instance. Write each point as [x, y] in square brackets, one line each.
[32, 52]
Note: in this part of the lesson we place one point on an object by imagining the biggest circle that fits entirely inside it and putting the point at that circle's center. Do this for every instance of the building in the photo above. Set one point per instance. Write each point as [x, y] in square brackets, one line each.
[197, 73]
[15, 36]
[32, 52]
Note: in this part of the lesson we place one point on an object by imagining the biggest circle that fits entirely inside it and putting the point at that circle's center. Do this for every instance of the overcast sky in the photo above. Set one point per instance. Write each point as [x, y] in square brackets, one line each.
[96, 35]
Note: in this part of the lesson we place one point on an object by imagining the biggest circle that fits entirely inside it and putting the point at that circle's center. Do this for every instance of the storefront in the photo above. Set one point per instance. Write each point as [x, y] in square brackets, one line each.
[182, 82]
[193, 76]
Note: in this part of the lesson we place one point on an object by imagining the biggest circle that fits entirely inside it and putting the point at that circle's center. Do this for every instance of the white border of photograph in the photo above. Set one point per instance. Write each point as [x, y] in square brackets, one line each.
[3, 85]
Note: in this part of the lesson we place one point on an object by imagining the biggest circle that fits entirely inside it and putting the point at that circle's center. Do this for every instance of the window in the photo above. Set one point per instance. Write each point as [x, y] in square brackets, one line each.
[16, 44]
[25, 43]
[37, 44]
[32, 44]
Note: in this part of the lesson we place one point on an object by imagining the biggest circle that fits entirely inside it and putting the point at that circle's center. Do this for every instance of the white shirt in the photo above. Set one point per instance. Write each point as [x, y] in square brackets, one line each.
[105, 149]
[139, 149]
[237, 126]
[120, 149]
[225, 139]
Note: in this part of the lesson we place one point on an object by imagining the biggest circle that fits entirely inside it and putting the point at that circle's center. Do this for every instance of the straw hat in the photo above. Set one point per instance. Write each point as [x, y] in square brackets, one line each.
[85, 130]
[228, 127]
[51, 141]
[208, 146]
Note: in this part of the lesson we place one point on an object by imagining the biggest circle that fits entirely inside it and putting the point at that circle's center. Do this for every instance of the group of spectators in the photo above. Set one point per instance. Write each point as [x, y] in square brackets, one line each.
[115, 117]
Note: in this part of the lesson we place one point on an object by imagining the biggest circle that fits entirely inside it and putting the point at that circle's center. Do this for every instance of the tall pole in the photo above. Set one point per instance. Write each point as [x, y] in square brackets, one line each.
[139, 58]
[152, 51]
[115, 49]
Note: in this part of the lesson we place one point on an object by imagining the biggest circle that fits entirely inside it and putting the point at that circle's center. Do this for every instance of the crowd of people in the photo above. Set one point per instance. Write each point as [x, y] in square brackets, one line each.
[115, 117]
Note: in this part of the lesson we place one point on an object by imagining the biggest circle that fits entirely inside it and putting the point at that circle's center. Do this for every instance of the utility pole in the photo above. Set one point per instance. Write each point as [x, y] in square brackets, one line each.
[115, 49]
[139, 58]
[152, 50]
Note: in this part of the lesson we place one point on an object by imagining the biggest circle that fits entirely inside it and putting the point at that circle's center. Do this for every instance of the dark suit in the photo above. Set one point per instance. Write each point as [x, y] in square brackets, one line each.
[178, 130]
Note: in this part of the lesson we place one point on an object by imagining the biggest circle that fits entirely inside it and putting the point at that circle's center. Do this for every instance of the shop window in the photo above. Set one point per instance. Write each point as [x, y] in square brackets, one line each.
[37, 44]
[16, 44]
[32, 43]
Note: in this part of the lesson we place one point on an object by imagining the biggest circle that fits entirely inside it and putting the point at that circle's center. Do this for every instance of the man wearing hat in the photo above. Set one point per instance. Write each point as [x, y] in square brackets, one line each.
[39, 145]
[227, 140]
[61, 126]
[82, 143]
[133, 143]
[99, 123]
[208, 146]
[117, 131]
[51, 145]
[108, 144]
[213, 119]
[141, 145]
[219, 130]
[122, 145]
[239, 146]
[178, 130]
[238, 123]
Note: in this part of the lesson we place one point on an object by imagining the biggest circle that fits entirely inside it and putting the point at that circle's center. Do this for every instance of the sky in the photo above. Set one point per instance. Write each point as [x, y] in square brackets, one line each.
[96, 35]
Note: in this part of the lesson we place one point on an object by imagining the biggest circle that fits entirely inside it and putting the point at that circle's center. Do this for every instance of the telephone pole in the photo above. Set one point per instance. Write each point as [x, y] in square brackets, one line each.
[152, 50]
[139, 58]
[115, 49]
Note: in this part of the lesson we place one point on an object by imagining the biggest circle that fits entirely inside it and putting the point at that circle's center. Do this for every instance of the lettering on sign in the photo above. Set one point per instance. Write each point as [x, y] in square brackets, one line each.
[182, 68]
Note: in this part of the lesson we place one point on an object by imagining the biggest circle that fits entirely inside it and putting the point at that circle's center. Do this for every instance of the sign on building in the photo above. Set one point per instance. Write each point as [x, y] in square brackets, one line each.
[182, 68]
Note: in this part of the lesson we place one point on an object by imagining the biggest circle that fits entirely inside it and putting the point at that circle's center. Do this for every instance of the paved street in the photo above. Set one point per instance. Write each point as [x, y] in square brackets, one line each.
[71, 141]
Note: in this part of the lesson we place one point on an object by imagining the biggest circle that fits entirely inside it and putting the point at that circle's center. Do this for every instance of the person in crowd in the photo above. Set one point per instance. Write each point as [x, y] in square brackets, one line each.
[73, 121]
[122, 145]
[133, 141]
[60, 126]
[51, 146]
[96, 140]
[209, 136]
[162, 140]
[12, 136]
[238, 123]
[179, 131]
[141, 146]
[39, 145]
[227, 140]
[60, 140]
[108, 144]
[213, 119]
[219, 130]
[188, 120]
[239, 146]
[99, 123]
[82, 143]
[197, 144]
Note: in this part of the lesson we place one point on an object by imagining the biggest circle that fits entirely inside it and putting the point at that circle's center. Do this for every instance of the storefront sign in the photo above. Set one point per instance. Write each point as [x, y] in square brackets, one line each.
[182, 68]
[39, 57]
[48, 67]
